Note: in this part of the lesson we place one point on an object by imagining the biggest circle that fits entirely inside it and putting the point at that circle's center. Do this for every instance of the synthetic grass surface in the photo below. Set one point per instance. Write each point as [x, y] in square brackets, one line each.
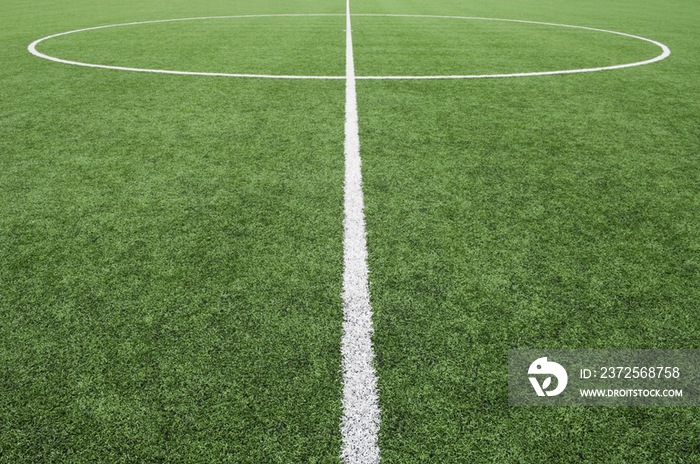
[171, 252]
[410, 46]
[296, 45]
[539, 212]
[171, 246]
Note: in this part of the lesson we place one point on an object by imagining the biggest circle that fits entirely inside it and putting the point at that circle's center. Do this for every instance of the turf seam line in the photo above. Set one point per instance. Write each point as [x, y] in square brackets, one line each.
[361, 414]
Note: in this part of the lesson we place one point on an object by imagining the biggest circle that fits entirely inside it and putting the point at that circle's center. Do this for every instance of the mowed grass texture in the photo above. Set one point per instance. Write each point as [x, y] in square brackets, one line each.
[548, 212]
[171, 246]
[171, 253]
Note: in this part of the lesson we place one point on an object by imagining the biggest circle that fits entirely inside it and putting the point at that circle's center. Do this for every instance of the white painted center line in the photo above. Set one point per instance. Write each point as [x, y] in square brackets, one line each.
[361, 415]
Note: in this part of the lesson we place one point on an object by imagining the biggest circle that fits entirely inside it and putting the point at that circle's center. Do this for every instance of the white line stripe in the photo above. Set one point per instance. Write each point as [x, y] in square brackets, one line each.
[360, 424]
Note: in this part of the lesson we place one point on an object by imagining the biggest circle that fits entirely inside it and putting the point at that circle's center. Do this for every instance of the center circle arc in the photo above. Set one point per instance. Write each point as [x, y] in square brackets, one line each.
[665, 50]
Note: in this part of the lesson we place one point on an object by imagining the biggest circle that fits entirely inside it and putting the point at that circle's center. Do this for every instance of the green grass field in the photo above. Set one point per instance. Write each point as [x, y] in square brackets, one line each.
[171, 246]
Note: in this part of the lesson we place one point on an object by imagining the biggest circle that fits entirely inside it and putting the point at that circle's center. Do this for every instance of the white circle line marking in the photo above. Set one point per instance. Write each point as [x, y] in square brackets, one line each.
[665, 50]
[32, 49]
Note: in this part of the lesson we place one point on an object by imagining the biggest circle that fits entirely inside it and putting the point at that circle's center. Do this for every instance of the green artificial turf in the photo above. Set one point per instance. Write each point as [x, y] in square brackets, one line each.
[424, 46]
[171, 246]
[170, 252]
[296, 45]
[547, 212]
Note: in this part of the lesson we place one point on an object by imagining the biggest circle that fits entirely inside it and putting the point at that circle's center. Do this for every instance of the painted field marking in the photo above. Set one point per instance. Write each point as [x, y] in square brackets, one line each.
[665, 51]
[361, 415]
[32, 49]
